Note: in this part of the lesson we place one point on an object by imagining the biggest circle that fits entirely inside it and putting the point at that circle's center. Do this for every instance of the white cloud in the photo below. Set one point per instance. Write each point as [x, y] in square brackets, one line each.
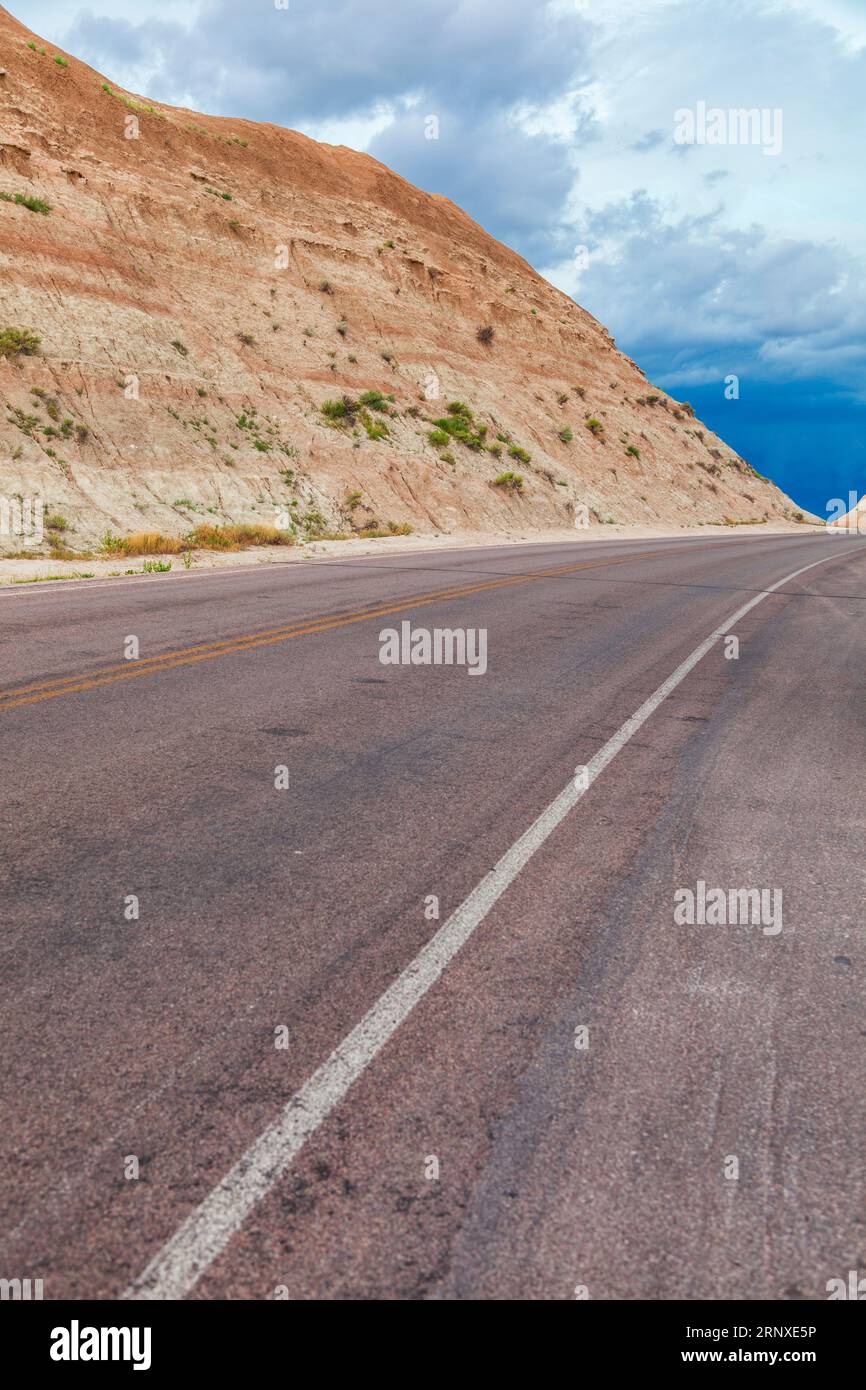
[52, 19]
[847, 17]
[557, 131]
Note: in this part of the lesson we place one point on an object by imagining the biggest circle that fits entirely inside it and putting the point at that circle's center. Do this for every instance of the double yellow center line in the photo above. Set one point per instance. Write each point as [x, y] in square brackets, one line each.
[305, 627]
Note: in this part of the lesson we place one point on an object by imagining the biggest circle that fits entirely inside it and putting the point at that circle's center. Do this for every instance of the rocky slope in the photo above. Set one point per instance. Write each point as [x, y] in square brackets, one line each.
[200, 287]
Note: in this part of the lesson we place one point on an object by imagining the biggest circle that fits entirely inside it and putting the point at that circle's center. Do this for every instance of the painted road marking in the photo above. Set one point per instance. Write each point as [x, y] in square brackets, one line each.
[21, 588]
[206, 1232]
[302, 627]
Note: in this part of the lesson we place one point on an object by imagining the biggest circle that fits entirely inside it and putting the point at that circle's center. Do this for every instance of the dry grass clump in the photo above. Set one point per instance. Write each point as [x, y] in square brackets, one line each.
[209, 537]
[141, 543]
[204, 537]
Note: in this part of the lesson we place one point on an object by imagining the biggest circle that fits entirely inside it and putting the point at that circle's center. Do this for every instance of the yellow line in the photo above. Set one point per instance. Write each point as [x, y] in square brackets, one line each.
[207, 651]
[229, 644]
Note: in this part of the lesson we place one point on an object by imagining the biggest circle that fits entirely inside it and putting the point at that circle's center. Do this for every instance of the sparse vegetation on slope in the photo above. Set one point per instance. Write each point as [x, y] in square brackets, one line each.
[510, 482]
[25, 200]
[18, 342]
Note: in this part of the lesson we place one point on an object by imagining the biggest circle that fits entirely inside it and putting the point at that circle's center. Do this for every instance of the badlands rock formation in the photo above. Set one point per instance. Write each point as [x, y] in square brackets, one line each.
[200, 287]
[852, 521]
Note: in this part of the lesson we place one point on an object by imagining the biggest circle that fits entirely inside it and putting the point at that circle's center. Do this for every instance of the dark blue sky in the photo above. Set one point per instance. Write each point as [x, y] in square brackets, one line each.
[805, 436]
[596, 138]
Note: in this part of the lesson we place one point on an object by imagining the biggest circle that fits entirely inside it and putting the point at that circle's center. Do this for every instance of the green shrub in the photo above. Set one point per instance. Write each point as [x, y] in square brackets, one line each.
[25, 423]
[18, 342]
[342, 411]
[376, 429]
[313, 522]
[438, 438]
[515, 452]
[511, 482]
[595, 426]
[459, 424]
[24, 200]
[111, 544]
[567, 434]
[635, 452]
[375, 400]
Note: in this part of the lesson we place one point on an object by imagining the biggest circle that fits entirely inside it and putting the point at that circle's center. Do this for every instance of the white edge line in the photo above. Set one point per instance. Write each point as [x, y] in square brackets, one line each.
[205, 1233]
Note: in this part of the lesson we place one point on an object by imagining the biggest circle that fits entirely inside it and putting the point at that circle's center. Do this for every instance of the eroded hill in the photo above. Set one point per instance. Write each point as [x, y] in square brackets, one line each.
[231, 322]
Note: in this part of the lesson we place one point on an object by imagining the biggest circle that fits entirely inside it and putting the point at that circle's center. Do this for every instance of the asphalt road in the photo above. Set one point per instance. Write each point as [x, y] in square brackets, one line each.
[463, 1144]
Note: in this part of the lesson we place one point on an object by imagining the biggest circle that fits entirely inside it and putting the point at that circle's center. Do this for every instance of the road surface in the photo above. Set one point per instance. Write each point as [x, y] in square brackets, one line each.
[222, 970]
